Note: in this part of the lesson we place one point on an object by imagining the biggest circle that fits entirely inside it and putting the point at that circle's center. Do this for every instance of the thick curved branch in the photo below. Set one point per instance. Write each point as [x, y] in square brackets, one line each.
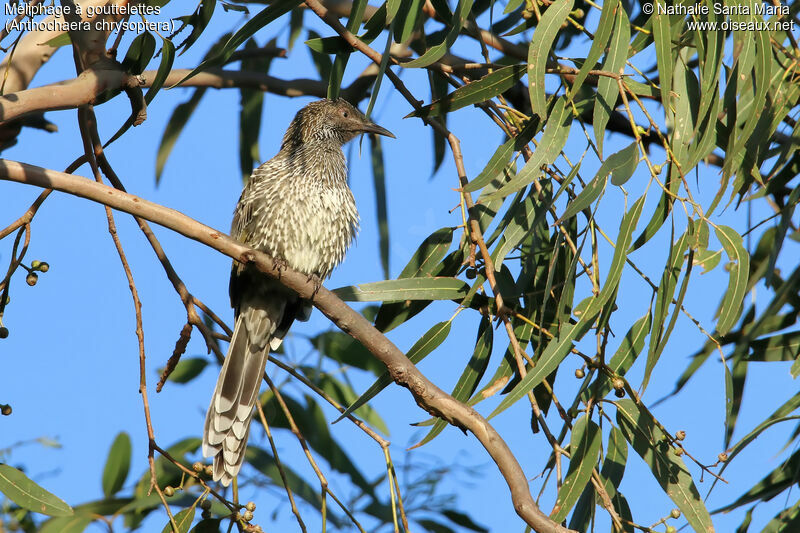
[64, 95]
[403, 372]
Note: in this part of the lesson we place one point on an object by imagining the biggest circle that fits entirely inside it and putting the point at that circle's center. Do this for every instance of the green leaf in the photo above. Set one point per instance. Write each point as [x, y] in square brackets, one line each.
[628, 224]
[463, 520]
[408, 15]
[183, 520]
[707, 259]
[622, 360]
[557, 349]
[584, 449]
[140, 52]
[539, 49]
[62, 39]
[669, 470]
[436, 52]
[251, 108]
[207, 525]
[264, 17]
[530, 214]
[398, 290]
[429, 260]
[502, 155]
[187, 369]
[620, 162]
[344, 349]
[601, 36]
[67, 524]
[175, 126]
[421, 349]
[607, 88]
[117, 465]
[198, 21]
[470, 377]
[28, 495]
[783, 347]
[553, 140]
[475, 92]
[662, 36]
[344, 394]
[164, 67]
[731, 306]
[623, 169]
[666, 290]
[379, 180]
[265, 463]
[778, 480]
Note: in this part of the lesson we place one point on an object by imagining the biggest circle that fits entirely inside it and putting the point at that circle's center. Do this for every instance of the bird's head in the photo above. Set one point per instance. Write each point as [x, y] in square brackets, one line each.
[329, 120]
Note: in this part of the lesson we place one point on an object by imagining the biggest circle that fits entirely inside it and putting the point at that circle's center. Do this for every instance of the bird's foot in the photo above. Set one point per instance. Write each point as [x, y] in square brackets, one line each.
[279, 265]
[317, 284]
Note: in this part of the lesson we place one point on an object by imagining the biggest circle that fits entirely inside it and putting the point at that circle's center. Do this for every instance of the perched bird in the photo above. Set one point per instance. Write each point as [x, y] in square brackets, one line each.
[298, 208]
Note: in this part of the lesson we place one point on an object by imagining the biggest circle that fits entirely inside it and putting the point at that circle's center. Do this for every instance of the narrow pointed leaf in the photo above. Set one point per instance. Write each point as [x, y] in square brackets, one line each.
[167, 57]
[478, 91]
[436, 52]
[501, 157]
[553, 140]
[28, 495]
[117, 465]
[601, 36]
[183, 519]
[584, 449]
[668, 469]
[607, 88]
[470, 377]
[421, 349]
[731, 306]
[619, 162]
[539, 50]
[398, 290]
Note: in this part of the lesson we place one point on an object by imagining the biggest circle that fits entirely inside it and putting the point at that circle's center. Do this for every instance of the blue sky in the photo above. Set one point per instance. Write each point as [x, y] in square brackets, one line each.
[70, 366]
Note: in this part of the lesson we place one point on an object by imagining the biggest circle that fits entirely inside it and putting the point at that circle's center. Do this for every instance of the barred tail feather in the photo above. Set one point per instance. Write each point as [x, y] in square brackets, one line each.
[228, 419]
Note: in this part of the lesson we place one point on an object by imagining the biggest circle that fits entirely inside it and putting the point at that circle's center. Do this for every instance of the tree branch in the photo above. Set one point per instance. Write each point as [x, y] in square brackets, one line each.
[403, 372]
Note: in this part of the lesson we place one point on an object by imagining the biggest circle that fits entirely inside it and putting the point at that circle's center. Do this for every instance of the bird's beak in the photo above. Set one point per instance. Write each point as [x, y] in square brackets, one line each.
[371, 127]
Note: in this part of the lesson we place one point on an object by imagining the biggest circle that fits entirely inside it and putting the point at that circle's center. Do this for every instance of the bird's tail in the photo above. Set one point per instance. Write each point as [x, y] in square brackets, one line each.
[228, 420]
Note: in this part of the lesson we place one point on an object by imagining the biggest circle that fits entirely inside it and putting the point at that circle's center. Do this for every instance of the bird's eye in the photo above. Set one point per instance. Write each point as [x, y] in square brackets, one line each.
[345, 114]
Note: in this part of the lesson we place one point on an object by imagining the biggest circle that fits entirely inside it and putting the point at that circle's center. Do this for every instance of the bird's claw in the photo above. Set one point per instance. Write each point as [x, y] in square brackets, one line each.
[279, 265]
[317, 284]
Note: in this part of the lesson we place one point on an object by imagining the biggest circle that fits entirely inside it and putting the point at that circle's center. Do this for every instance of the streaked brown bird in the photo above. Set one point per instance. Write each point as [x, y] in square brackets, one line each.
[298, 208]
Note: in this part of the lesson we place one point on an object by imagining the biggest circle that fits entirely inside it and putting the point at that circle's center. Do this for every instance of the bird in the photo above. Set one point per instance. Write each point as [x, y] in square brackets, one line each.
[298, 208]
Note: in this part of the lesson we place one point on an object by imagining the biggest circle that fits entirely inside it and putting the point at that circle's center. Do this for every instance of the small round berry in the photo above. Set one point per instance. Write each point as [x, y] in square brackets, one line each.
[5, 410]
[672, 529]
[580, 373]
[675, 513]
[619, 393]
[680, 435]
[32, 278]
[723, 457]
[209, 470]
[471, 273]
[3, 332]
[678, 451]
[197, 466]
[247, 516]
[169, 491]
[35, 265]
[43, 267]
[205, 505]
[251, 506]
